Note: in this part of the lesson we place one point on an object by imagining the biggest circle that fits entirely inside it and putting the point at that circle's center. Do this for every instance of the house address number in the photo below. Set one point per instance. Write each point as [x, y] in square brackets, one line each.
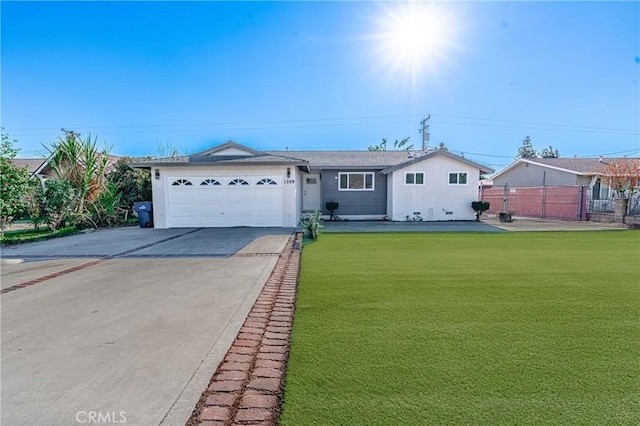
[289, 181]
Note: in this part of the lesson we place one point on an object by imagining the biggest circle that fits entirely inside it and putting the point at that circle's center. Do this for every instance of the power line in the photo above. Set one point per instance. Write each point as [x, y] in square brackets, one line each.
[483, 155]
[615, 153]
[246, 127]
[332, 122]
[536, 123]
[585, 130]
[232, 123]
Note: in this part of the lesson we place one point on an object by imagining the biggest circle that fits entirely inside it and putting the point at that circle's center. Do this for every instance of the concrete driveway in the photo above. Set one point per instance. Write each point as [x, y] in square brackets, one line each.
[125, 325]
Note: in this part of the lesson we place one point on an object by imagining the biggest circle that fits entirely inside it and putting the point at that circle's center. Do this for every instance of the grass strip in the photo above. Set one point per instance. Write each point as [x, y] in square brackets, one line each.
[30, 235]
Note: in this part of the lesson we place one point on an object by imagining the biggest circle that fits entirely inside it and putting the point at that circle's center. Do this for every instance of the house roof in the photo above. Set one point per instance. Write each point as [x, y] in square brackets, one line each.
[347, 159]
[228, 153]
[240, 150]
[231, 153]
[578, 166]
[32, 164]
[431, 154]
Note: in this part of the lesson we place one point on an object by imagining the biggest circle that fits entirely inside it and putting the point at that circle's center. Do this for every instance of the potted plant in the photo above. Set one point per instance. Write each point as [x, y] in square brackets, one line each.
[313, 224]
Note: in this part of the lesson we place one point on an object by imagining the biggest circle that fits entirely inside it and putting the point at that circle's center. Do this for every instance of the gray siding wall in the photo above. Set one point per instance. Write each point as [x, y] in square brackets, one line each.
[354, 202]
[522, 176]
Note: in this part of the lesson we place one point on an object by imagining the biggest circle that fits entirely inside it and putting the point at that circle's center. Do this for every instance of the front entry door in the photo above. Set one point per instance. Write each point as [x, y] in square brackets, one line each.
[310, 193]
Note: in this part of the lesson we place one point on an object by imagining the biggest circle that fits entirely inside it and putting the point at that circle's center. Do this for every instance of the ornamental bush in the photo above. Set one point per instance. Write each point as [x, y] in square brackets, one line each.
[14, 184]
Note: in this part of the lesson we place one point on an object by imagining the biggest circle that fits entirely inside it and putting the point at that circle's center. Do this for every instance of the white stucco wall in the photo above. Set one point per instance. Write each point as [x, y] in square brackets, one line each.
[291, 198]
[436, 197]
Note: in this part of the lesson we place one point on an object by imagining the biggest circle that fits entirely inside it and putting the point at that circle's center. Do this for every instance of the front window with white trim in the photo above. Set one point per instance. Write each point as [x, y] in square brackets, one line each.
[414, 178]
[355, 181]
[458, 178]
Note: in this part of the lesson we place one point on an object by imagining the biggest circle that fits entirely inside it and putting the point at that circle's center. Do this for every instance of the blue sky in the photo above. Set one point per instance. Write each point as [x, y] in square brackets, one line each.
[324, 75]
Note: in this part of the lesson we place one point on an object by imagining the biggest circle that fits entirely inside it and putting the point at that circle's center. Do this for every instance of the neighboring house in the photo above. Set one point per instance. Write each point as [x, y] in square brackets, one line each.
[556, 188]
[233, 185]
[538, 172]
[41, 169]
[33, 165]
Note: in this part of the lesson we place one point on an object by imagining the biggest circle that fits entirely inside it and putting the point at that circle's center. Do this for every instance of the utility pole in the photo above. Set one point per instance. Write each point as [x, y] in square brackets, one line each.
[425, 133]
[71, 133]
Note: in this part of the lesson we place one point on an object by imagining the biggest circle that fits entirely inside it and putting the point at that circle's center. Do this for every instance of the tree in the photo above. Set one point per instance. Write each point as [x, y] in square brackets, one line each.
[35, 203]
[479, 207]
[397, 145]
[133, 184]
[14, 184]
[526, 150]
[165, 149]
[442, 146]
[107, 209]
[549, 153]
[80, 163]
[623, 175]
[58, 203]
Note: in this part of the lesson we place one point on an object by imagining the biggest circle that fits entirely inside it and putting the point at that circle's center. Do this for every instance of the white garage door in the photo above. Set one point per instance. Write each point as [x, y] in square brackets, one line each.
[217, 201]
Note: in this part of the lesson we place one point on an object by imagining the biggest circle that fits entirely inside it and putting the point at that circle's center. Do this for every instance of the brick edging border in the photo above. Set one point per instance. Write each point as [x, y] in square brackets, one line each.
[247, 385]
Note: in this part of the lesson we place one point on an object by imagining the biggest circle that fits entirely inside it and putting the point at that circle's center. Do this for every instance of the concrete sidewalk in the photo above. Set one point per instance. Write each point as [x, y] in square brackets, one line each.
[488, 224]
[521, 224]
[389, 226]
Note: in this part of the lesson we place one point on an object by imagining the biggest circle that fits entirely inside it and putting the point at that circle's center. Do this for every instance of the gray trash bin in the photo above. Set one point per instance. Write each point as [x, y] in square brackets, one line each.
[144, 210]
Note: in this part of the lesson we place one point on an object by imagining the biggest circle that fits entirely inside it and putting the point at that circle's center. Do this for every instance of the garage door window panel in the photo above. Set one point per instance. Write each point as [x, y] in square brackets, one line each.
[266, 181]
[182, 182]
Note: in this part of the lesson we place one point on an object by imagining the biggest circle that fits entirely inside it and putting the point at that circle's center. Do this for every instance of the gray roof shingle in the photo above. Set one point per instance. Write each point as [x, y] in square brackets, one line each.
[360, 159]
[588, 166]
[373, 159]
[32, 164]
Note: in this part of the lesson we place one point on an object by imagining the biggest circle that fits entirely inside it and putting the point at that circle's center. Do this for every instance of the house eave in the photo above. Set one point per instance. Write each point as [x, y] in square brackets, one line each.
[483, 169]
[147, 165]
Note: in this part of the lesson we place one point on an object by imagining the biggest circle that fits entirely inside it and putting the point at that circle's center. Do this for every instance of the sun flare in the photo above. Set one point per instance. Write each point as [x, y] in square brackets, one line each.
[415, 36]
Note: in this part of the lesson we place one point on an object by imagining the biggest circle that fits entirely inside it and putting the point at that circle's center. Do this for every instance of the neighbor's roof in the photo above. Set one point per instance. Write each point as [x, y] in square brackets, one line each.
[45, 166]
[578, 166]
[32, 164]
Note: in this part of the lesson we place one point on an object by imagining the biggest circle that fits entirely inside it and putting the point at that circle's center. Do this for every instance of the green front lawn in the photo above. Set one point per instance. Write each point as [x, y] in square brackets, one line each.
[514, 328]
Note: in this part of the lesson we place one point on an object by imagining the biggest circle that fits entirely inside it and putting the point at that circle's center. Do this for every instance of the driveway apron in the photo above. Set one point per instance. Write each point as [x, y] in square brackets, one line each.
[133, 338]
